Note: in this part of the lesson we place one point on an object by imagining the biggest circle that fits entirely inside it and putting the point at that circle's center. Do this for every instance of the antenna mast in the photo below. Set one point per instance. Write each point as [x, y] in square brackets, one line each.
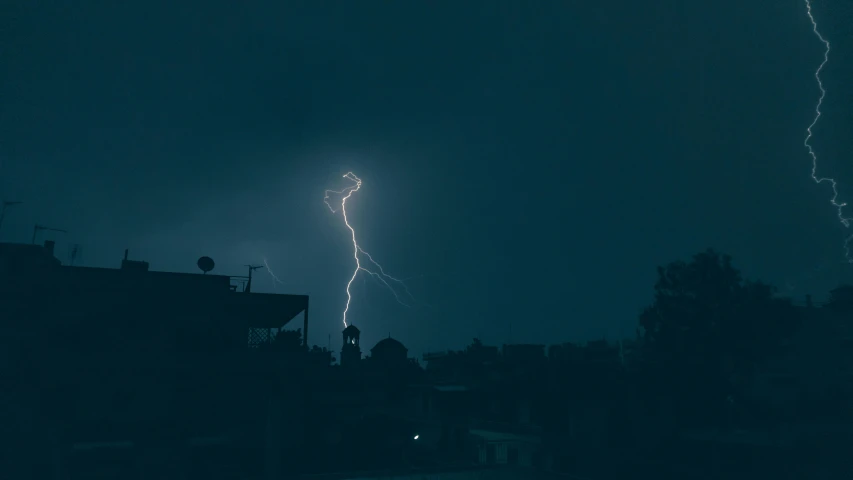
[252, 268]
[39, 228]
[75, 251]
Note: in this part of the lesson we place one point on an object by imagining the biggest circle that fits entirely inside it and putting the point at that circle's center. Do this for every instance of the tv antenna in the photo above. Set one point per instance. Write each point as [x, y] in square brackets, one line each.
[7, 203]
[252, 268]
[38, 228]
[75, 252]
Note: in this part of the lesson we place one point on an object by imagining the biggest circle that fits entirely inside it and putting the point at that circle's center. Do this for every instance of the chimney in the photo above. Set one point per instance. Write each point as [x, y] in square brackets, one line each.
[49, 246]
[133, 265]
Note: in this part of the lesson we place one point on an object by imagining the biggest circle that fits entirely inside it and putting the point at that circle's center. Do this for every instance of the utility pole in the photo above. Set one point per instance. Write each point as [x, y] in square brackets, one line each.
[38, 228]
[6, 203]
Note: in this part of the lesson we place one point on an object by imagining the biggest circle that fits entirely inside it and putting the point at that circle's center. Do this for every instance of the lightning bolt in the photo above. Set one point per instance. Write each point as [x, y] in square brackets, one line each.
[377, 272]
[839, 206]
[275, 279]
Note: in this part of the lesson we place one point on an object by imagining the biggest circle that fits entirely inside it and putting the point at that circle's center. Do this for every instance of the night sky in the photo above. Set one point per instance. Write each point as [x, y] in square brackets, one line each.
[526, 165]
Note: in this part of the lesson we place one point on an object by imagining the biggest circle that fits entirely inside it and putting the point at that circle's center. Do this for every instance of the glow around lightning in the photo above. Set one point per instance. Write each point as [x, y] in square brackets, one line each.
[839, 206]
[375, 270]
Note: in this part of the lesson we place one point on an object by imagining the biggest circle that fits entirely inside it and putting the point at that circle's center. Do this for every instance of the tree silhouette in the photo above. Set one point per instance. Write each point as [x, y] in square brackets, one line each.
[708, 327]
[841, 298]
[476, 346]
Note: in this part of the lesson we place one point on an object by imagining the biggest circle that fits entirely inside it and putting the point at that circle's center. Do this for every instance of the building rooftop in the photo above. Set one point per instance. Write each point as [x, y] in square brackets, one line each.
[388, 344]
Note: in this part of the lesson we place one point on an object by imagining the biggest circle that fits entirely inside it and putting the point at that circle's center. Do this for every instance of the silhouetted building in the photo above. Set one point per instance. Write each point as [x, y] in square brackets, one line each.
[502, 448]
[599, 351]
[389, 352]
[140, 372]
[565, 353]
[524, 354]
[19, 261]
[154, 362]
[351, 349]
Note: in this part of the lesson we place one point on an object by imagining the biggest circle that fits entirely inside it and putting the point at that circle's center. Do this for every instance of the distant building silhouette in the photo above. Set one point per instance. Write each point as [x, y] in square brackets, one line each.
[389, 352]
[136, 372]
[351, 348]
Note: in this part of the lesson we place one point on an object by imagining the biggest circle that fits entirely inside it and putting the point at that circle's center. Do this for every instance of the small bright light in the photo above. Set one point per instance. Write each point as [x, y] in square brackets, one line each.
[416, 437]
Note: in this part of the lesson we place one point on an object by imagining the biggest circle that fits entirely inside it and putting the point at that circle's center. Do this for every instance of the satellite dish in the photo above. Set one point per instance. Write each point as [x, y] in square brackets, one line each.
[206, 264]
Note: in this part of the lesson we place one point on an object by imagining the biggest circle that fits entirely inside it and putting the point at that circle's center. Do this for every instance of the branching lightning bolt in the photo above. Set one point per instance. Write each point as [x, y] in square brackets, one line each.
[378, 274]
[275, 279]
[839, 206]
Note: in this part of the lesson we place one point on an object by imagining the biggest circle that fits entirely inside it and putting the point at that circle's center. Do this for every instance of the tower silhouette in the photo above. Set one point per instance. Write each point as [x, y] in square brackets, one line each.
[351, 349]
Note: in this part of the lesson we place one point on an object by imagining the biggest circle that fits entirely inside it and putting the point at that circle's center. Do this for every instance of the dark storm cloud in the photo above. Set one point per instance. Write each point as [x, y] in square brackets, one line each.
[183, 94]
[525, 162]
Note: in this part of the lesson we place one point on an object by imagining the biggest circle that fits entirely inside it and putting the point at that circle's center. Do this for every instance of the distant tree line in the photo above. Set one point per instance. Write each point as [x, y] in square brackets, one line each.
[708, 331]
[702, 340]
